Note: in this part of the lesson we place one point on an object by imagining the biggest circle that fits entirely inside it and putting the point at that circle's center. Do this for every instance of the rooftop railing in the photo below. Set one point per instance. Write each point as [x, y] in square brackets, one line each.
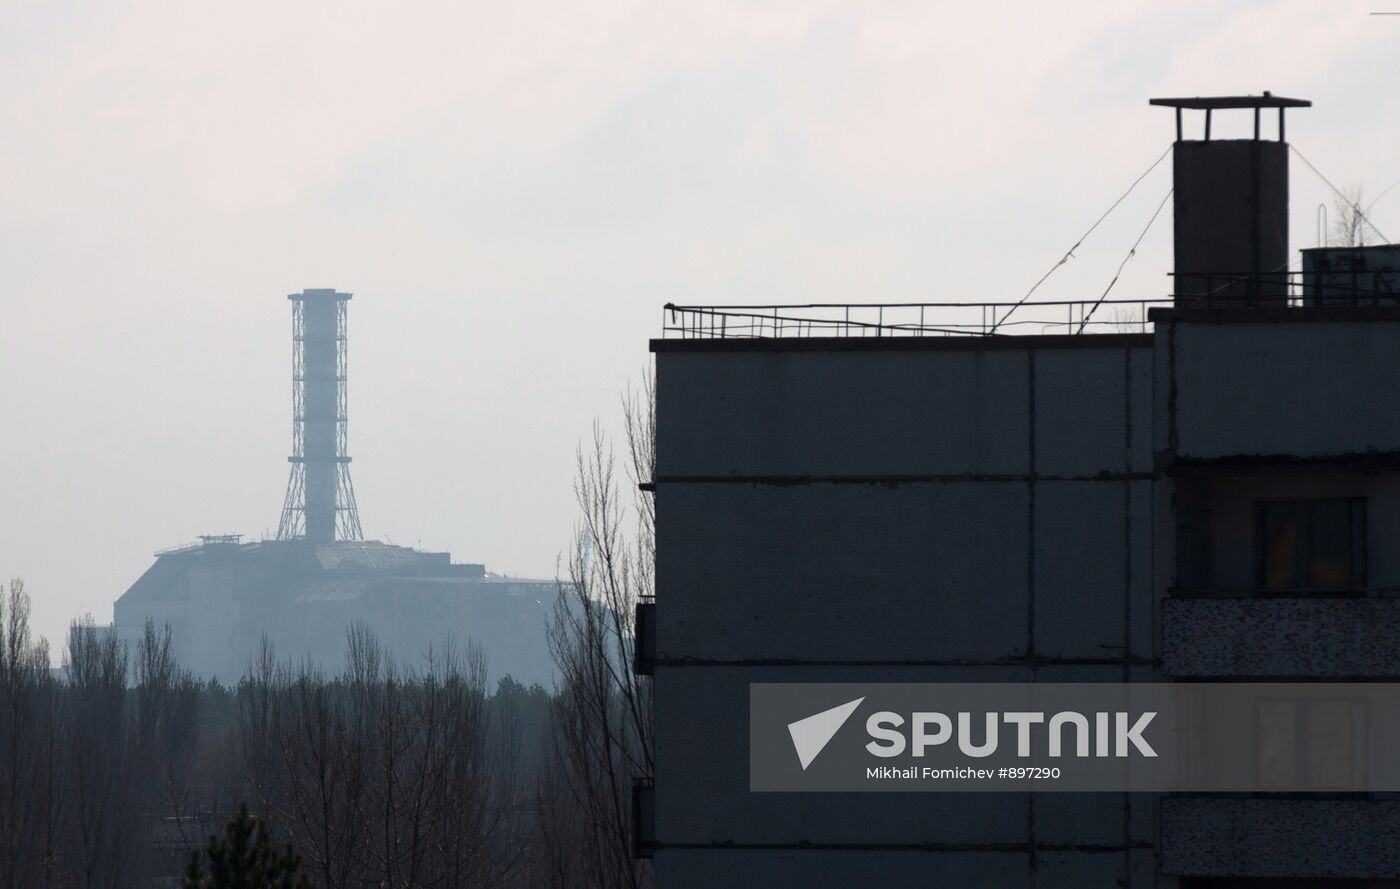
[1324, 285]
[1314, 288]
[203, 541]
[906, 319]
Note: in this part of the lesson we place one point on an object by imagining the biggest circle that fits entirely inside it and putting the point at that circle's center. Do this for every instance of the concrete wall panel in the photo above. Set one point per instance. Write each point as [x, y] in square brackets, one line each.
[1081, 572]
[702, 772]
[1301, 390]
[1074, 869]
[831, 572]
[820, 868]
[1086, 400]
[1095, 819]
[955, 411]
[842, 413]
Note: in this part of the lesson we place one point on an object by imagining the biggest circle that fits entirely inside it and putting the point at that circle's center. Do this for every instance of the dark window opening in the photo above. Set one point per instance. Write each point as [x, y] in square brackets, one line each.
[1312, 545]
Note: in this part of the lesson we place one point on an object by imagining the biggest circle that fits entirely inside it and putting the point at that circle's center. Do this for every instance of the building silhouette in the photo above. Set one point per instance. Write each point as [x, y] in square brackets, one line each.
[1205, 488]
[306, 588]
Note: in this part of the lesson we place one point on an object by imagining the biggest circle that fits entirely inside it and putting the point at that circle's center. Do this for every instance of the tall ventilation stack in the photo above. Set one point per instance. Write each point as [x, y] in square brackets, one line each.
[320, 502]
[1230, 208]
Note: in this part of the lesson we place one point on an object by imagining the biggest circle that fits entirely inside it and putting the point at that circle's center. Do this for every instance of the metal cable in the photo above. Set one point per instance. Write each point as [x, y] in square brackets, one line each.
[1069, 254]
[1132, 251]
[1377, 199]
[1348, 201]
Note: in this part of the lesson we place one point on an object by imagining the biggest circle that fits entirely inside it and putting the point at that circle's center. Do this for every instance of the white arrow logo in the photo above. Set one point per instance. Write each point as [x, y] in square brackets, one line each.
[812, 734]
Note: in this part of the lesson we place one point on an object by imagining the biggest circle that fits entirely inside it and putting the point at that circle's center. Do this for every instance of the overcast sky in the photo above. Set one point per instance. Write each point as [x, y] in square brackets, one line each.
[513, 190]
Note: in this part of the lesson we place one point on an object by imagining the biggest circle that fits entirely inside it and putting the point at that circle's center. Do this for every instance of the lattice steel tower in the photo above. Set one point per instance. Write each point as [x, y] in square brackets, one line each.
[320, 504]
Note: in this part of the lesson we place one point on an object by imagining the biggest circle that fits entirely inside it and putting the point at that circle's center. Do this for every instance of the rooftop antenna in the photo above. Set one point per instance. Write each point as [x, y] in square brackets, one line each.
[320, 502]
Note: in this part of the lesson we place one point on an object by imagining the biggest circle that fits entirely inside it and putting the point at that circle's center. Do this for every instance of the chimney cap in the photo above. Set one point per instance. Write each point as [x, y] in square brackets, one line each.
[1209, 103]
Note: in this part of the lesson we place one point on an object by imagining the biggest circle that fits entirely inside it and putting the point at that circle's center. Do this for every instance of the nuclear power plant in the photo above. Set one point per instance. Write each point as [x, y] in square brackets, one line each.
[304, 589]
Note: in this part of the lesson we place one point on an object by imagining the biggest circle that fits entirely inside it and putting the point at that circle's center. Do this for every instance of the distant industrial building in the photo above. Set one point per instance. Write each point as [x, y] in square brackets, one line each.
[1199, 490]
[304, 589]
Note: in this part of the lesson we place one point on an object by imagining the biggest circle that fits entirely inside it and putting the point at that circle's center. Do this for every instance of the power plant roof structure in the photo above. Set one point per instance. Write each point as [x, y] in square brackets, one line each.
[305, 588]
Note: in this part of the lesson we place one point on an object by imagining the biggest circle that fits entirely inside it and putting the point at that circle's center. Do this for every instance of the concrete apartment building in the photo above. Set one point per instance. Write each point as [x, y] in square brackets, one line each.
[844, 496]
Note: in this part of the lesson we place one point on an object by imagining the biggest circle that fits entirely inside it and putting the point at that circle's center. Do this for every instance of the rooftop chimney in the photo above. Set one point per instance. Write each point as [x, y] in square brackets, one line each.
[1231, 208]
[320, 503]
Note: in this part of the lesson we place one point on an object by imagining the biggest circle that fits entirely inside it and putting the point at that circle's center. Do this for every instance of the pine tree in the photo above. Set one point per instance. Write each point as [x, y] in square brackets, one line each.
[244, 858]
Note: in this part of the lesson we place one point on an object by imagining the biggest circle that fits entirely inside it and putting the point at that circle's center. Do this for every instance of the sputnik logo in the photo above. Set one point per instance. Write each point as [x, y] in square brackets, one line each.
[812, 734]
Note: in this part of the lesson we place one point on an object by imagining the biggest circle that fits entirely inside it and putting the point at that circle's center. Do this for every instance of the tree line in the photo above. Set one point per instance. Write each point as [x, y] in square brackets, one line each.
[114, 769]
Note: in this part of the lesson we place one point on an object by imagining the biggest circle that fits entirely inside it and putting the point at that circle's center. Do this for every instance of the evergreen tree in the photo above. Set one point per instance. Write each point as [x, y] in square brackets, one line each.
[244, 858]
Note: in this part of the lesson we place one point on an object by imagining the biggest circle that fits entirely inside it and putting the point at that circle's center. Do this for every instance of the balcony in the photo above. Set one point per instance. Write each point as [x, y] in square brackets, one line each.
[1314, 636]
[1354, 837]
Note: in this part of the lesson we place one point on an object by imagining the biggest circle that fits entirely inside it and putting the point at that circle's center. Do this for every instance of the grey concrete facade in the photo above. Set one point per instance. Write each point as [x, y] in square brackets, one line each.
[1067, 508]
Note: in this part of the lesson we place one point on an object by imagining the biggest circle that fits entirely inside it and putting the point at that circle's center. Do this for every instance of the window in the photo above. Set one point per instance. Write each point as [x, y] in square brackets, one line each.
[1310, 744]
[1312, 544]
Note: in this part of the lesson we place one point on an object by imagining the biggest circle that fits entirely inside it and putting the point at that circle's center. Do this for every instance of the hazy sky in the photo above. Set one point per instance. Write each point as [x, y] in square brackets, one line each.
[513, 190]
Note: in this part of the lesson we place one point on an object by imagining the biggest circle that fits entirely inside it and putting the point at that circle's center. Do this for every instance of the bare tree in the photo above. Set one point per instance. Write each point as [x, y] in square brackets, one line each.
[603, 714]
[99, 806]
[162, 746]
[86, 765]
[384, 776]
[27, 731]
[316, 788]
[1349, 228]
[1128, 319]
